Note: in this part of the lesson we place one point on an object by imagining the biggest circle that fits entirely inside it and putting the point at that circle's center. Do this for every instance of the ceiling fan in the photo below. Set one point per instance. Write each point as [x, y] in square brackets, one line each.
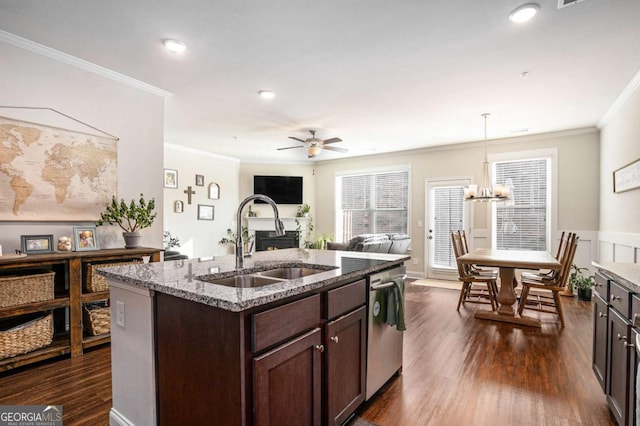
[314, 146]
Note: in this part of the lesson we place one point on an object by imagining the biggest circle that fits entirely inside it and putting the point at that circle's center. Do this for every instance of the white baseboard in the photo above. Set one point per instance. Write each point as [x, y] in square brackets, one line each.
[117, 419]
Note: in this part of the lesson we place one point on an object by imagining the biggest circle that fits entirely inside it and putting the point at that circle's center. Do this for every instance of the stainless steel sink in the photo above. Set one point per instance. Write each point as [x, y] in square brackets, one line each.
[242, 281]
[262, 278]
[290, 273]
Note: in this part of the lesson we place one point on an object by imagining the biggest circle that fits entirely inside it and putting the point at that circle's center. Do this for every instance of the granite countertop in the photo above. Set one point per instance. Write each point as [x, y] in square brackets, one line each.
[627, 274]
[181, 277]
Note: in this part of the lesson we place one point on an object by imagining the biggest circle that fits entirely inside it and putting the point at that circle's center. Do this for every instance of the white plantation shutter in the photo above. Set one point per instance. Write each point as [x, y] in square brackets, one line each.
[448, 216]
[522, 223]
[373, 203]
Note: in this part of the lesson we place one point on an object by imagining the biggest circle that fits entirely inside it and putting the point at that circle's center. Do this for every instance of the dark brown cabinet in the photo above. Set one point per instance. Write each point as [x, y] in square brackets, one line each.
[618, 366]
[345, 343]
[287, 383]
[600, 325]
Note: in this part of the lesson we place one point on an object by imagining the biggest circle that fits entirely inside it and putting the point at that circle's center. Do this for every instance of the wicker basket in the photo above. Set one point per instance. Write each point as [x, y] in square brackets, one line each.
[95, 282]
[26, 288]
[97, 318]
[27, 337]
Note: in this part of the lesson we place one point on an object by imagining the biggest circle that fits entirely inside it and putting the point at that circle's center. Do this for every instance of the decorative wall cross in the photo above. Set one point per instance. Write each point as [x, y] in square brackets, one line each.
[189, 193]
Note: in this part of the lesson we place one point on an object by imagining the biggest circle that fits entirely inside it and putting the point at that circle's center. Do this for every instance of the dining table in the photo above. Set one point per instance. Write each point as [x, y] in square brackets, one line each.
[508, 261]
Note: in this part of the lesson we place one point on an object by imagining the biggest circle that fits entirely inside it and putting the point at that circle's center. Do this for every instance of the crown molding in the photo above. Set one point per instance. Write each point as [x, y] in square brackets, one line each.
[622, 98]
[59, 56]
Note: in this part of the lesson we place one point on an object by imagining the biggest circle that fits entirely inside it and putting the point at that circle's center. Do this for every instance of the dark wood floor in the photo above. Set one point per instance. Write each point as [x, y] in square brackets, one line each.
[452, 375]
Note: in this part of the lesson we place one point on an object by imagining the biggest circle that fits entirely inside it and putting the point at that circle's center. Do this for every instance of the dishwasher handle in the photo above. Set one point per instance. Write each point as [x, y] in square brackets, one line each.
[375, 287]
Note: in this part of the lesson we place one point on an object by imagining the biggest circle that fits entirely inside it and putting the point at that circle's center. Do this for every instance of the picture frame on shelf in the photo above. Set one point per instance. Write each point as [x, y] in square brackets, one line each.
[627, 177]
[170, 178]
[214, 191]
[85, 238]
[199, 180]
[36, 244]
[178, 206]
[205, 212]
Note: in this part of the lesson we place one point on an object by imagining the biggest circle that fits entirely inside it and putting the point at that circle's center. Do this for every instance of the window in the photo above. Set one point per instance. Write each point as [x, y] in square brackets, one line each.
[373, 202]
[523, 223]
[448, 216]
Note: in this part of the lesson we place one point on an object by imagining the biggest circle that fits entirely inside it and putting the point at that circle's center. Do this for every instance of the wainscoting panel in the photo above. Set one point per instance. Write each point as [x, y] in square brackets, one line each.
[618, 247]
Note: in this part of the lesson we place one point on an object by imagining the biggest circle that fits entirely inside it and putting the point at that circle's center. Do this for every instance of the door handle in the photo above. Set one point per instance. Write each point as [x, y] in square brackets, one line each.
[601, 315]
[334, 339]
[320, 348]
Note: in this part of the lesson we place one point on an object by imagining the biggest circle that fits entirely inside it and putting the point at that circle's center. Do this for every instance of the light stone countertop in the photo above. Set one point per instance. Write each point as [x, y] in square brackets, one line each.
[181, 277]
[627, 274]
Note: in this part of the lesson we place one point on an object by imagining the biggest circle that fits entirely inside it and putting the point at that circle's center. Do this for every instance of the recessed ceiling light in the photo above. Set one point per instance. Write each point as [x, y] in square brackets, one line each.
[524, 13]
[267, 94]
[175, 46]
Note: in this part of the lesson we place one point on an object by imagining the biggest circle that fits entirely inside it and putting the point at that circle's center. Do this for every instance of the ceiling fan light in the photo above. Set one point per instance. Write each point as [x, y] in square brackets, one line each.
[314, 150]
[524, 13]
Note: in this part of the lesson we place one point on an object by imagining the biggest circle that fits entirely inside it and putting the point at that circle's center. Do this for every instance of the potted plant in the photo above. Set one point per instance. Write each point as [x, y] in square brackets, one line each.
[583, 284]
[231, 237]
[131, 218]
[304, 211]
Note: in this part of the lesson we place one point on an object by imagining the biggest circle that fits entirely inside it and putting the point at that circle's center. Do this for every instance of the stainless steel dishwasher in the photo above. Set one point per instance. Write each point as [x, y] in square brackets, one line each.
[384, 342]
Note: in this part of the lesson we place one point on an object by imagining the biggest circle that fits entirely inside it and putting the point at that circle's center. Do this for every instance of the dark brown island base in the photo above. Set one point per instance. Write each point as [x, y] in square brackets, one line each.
[282, 342]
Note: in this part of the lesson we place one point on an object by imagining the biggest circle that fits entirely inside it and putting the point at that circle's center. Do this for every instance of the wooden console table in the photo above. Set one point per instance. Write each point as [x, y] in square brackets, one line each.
[70, 296]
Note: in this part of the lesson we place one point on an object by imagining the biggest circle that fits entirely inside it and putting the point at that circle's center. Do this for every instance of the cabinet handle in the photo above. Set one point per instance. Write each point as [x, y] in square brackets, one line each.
[598, 285]
[614, 297]
[601, 315]
[629, 345]
[334, 339]
[320, 348]
[621, 337]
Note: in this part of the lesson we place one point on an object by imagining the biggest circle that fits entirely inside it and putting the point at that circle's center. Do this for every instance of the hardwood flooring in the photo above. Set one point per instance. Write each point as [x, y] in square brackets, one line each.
[452, 373]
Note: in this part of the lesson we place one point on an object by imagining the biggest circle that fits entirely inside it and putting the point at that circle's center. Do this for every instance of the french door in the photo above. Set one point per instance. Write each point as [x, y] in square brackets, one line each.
[446, 211]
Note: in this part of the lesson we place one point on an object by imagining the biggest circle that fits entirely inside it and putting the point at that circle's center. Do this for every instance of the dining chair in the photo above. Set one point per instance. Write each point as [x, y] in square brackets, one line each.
[540, 301]
[470, 276]
[550, 275]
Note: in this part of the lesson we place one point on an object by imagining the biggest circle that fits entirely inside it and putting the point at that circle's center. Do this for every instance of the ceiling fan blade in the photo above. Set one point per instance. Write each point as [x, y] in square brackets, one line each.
[332, 140]
[335, 148]
[296, 139]
[290, 147]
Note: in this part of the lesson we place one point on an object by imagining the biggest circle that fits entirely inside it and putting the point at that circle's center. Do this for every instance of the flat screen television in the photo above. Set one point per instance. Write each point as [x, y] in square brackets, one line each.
[281, 189]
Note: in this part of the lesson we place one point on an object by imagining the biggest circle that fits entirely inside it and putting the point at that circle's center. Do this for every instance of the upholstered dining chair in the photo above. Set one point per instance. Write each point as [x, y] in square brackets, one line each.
[541, 301]
[470, 277]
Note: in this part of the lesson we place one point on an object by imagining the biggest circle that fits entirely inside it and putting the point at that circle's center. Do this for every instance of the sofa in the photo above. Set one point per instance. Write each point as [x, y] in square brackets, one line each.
[375, 243]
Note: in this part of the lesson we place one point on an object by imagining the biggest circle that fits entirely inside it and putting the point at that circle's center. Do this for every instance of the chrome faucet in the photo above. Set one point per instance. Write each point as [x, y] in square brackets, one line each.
[278, 224]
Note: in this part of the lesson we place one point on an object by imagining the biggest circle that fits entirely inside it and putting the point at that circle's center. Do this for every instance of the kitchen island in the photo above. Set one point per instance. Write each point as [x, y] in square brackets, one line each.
[188, 351]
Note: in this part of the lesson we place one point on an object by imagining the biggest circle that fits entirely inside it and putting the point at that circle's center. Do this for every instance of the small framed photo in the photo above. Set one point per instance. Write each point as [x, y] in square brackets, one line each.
[199, 180]
[170, 178]
[85, 238]
[214, 191]
[35, 244]
[205, 212]
[178, 206]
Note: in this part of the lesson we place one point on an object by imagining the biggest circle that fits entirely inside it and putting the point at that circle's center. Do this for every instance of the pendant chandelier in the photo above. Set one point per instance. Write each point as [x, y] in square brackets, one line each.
[486, 191]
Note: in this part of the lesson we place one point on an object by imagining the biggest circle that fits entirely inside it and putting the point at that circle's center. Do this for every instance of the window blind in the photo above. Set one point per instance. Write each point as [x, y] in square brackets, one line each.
[374, 203]
[522, 223]
[448, 217]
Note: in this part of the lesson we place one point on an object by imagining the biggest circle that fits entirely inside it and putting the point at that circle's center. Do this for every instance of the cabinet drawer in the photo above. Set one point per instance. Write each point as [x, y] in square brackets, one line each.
[620, 298]
[344, 299]
[279, 324]
[601, 286]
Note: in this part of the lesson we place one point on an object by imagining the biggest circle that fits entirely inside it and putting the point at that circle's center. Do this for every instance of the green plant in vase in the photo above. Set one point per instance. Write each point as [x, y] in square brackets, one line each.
[131, 217]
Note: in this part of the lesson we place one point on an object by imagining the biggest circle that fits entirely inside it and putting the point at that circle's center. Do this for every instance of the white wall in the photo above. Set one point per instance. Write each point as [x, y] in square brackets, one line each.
[199, 238]
[134, 115]
[619, 237]
[577, 183]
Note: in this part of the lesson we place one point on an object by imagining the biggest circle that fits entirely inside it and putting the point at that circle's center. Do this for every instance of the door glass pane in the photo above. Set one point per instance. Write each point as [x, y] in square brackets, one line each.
[448, 216]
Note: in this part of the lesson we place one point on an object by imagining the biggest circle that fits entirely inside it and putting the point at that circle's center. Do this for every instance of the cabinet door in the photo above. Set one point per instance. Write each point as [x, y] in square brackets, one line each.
[287, 383]
[345, 343]
[600, 339]
[618, 366]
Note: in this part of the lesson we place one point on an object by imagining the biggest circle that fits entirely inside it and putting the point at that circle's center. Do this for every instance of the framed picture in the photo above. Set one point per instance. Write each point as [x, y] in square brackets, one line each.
[214, 191]
[627, 178]
[170, 178]
[205, 212]
[199, 180]
[178, 206]
[34, 244]
[85, 238]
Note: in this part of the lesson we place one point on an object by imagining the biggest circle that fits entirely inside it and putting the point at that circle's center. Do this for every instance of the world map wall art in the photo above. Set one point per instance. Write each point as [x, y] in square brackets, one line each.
[52, 174]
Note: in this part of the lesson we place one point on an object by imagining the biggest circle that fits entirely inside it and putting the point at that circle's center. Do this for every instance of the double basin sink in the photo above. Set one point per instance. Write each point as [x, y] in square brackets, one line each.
[262, 278]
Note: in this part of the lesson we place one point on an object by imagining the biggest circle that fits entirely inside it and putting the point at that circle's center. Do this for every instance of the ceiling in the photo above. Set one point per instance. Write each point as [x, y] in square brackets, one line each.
[382, 75]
